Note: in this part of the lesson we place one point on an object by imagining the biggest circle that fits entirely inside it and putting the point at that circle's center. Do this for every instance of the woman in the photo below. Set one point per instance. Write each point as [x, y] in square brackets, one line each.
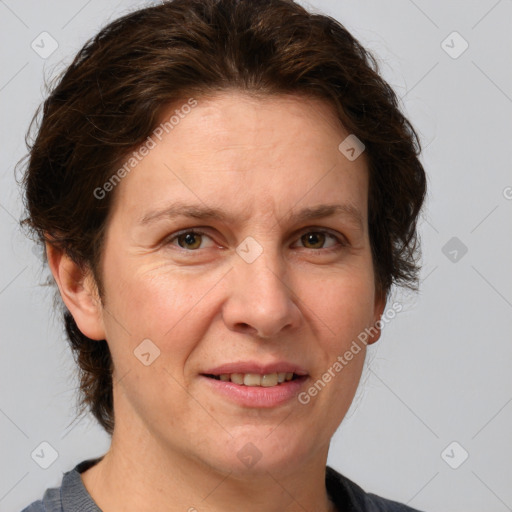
[226, 191]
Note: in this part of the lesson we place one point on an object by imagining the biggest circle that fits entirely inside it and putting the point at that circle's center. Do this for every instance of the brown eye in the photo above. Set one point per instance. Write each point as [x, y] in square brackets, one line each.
[190, 240]
[313, 240]
[322, 240]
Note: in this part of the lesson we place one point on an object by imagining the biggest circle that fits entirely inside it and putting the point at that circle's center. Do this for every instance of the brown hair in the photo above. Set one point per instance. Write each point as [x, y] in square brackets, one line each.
[110, 99]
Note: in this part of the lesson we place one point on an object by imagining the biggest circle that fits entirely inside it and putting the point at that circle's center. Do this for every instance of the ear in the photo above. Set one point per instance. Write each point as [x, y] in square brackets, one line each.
[375, 330]
[79, 292]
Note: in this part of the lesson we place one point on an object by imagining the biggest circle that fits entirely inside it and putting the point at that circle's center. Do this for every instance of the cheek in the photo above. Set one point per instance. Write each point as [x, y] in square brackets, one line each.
[344, 301]
[171, 308]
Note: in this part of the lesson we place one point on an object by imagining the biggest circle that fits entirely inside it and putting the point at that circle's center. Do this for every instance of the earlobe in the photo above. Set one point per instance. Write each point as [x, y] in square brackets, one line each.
[79, 292]
[375, 331]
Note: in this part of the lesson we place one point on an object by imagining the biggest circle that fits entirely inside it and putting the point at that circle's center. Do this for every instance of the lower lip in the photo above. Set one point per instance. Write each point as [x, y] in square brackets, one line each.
[257, 396]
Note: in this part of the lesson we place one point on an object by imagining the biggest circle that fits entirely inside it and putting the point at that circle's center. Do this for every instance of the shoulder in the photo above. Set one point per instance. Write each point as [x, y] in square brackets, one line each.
[51, 502]
[37, 506]
[71, 495]
[343, 492]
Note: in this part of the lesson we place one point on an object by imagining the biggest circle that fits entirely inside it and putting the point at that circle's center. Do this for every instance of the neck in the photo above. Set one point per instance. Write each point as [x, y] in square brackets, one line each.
[150, 478]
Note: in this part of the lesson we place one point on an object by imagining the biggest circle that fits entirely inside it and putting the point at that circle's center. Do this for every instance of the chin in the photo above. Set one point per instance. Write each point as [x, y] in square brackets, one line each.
[261, 451]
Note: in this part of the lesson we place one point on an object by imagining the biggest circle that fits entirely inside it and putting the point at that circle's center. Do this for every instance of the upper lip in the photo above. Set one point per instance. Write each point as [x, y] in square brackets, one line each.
[256, 367]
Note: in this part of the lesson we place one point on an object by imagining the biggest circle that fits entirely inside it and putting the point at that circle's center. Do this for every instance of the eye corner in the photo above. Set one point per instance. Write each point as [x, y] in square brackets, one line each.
[340, 239]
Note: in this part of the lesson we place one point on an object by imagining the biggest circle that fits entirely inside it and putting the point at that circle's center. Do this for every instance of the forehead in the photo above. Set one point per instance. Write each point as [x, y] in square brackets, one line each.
[246, 153]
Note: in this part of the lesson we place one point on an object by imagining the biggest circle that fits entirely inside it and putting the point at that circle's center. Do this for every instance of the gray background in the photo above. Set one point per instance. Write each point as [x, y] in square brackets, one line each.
[441, 372]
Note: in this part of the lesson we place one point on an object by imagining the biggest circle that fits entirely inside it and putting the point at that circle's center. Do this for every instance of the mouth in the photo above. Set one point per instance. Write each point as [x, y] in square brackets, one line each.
[255, 385]
[255, 379]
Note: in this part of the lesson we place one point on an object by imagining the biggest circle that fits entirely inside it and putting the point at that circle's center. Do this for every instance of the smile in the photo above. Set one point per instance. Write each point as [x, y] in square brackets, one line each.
[255, 379]
[256, 390]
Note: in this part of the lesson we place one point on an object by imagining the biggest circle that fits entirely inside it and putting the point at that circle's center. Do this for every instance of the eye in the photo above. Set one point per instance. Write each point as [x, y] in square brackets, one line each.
[190, 240]
[317, 239]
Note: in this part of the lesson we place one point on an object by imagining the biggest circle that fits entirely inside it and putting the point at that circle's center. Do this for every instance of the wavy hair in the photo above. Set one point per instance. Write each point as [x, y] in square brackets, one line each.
[111, 97]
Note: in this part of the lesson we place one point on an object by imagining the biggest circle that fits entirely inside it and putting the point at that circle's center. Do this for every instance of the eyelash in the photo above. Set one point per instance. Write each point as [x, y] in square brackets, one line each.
[340, 243]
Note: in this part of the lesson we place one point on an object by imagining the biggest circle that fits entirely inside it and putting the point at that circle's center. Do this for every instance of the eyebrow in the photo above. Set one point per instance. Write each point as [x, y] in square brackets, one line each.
[202, 212]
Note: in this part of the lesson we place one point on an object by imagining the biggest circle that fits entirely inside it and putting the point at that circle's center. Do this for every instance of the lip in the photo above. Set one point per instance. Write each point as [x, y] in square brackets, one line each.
[256, 396]
[257, 367]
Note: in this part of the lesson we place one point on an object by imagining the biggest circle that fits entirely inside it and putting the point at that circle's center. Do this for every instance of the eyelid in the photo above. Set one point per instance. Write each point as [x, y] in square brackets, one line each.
[340, 239]
[196, 231]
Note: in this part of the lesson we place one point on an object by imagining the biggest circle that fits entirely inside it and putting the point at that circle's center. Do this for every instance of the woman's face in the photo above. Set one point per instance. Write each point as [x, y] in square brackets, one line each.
[238, 245]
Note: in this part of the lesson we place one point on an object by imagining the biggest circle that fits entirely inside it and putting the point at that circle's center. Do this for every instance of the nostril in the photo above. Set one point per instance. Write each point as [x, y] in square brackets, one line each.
[246, 328]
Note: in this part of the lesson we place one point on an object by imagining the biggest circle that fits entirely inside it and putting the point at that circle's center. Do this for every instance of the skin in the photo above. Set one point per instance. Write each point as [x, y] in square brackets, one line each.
[175, 443]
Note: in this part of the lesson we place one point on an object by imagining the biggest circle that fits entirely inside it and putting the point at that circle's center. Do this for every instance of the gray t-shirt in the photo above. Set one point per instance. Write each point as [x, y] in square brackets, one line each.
[72, 496]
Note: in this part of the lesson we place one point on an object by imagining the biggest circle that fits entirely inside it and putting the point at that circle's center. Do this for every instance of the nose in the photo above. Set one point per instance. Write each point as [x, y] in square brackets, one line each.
[260, 301]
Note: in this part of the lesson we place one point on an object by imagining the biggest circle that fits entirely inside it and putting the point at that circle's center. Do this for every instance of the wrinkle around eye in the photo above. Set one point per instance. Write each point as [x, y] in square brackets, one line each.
[168, 241]
[339, 240]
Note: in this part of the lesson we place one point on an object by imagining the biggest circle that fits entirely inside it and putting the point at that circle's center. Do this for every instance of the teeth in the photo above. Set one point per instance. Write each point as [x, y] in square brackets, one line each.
[252, 379]
[237, 378]
[255, 379]
[269, 380]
